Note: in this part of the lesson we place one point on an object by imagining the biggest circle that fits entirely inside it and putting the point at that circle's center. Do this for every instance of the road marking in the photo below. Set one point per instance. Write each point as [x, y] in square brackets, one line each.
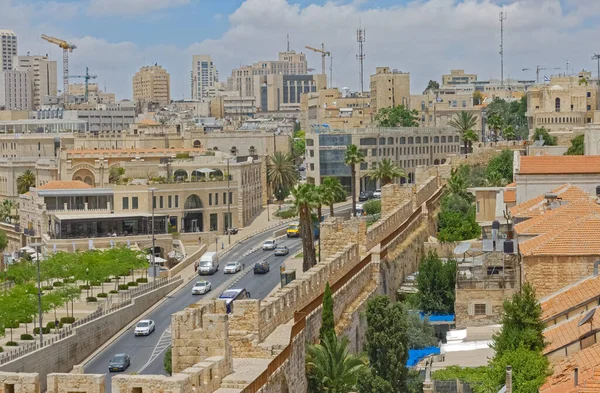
[163, 343]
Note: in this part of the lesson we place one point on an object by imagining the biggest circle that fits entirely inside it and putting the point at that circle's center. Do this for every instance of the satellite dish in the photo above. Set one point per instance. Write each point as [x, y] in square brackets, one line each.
[462, 248]
[588, 317]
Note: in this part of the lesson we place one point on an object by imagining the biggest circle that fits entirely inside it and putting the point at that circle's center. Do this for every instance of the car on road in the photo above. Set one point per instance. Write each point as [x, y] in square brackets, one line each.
[365, 196]
[270, 244]
[261, 267]
[377, 193]
[282, 250]
[301, 168]
[293, 230]
[209, 263]
[232, 267]
[201, 287]
[119, 362]
[144, 327]
[359, 209]
[234, 294]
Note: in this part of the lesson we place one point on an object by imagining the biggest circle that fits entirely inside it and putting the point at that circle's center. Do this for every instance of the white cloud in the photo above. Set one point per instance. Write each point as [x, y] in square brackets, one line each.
[131, 7]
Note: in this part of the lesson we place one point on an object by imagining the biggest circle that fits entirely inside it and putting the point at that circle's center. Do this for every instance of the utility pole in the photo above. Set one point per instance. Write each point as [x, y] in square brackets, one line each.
[597, 58]
[502, 19]
[153, 255]
[228, 205]
[361, 37]
[288, 42]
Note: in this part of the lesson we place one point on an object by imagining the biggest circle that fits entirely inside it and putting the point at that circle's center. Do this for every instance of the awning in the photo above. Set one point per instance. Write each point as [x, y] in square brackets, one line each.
[156, 259]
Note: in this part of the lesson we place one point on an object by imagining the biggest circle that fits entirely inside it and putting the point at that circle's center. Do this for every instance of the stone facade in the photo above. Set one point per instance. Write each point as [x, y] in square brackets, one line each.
[492, 298]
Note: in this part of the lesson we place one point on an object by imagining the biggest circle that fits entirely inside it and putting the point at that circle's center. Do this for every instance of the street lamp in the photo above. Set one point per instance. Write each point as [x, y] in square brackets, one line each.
[39, 289]
[153, 257]
[87, 270]
[228, 225]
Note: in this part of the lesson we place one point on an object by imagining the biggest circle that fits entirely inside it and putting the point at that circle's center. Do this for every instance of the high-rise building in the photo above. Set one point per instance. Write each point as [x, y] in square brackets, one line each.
[42, 76]
[8, 42]
[389, 88]
[152, 84]
[204, 77]
[278, 92]
[15, 90]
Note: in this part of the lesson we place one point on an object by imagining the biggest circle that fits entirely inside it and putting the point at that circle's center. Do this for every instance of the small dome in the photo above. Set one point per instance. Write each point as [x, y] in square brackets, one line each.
[556, 88]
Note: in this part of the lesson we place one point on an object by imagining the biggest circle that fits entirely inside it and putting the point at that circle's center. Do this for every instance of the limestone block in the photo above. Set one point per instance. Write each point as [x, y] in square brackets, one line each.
[21, 382]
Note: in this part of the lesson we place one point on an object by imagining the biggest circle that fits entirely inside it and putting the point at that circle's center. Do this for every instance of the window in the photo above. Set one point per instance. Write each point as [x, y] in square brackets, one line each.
[230, 197]
[170, 201]
[214, 225]
[480, 309]
[557, 104]
[216, 198]
[589, 94]
[224, 198]
[161, 201]
[477, 207]
[363, 166]
[589, 107]
[134, 203]
[125, 203]
[209, 199]
[176, 200]
[373, 152]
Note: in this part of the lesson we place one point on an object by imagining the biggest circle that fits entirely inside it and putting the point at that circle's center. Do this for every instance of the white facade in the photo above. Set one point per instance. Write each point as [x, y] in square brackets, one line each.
[8, 42]
[15, 91]
[205, 77]
[42, 76]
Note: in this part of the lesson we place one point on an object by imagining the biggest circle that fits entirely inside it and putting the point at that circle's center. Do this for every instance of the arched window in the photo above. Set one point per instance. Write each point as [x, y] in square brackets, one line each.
[197, 144]
[443, 139]
[233, 150]
[252, 151]
[402, 140]
[557, 104]
[418, 139]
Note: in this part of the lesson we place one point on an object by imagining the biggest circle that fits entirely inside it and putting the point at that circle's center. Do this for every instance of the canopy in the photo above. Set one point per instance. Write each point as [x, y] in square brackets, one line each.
[27, 249]
[156, 259]
[205, 170]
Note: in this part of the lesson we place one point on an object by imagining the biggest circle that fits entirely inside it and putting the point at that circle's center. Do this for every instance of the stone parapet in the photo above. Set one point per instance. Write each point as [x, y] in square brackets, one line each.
[177, 383]
[388, 224]
[80, 383]
[426, 191]
[19, 382]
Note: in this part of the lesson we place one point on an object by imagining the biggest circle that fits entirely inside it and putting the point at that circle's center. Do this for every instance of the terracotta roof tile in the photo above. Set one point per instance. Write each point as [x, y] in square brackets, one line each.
[510, 196]
[579, 237]
[568, 332]
[570, 297]
[558, 165]
[513, 184]
[551, 220]
[534, 207]
[588, 363]
[64, 185]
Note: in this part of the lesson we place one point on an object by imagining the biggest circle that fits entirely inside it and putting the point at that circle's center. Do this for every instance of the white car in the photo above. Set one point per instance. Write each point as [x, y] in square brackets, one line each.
[201, 287]
[144, 327]
[377, 193]
[232, 267]
[269, 245]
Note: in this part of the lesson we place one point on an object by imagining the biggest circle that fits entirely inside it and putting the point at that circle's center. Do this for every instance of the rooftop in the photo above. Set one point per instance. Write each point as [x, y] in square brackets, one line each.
[137, 151]
[563, 334]
[556, 218]
[64, 185]
[536, 206]
[570, 297]
[559, 165]
[586, 361]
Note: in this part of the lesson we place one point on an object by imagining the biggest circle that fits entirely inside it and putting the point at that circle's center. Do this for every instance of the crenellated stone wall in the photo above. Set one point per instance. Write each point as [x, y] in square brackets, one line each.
[19, 382]
[80, 383]
[177, 383]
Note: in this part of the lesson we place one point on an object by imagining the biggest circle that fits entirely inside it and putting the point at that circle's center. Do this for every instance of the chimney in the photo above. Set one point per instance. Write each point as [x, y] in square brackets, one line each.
[576, 376]
[509, 379]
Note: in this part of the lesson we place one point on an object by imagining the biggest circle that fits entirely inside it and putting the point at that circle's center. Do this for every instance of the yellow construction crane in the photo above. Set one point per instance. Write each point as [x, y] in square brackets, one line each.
[323, 53]
[66, 47]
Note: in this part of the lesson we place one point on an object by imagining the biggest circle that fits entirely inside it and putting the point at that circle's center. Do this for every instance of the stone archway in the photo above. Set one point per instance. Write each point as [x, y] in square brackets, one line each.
[180, 175]
[193, 219]
[86, 176]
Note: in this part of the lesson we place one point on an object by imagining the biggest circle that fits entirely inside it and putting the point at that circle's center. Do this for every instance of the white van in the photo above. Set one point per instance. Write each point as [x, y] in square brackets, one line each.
[209, 263]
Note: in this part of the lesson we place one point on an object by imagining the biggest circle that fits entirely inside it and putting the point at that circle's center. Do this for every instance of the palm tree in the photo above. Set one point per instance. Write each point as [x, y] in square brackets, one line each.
[469, 137]
[509, 133]
[24, 181]
[306, 199]
[457, 184]
[330, 368]
[386, 171]
[463, 123]
[352, 157]
[495, 123]
[6, 209]
[281, 171]
[333, 192]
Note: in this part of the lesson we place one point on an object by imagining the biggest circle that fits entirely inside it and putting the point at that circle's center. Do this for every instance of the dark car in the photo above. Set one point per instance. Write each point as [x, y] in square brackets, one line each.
[365, 196]
[119, 362]
[261, 267]
[232, 230]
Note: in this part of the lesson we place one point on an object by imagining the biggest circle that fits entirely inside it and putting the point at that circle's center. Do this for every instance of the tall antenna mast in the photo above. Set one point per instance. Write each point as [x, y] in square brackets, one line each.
[361, 37]
[288, 42]
[502, 19]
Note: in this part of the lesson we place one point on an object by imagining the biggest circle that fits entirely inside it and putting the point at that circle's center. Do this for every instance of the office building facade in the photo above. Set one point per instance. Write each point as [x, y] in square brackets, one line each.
[205, 77]
[8, 44]
[42, 77]
[152, 84]
[15, 91]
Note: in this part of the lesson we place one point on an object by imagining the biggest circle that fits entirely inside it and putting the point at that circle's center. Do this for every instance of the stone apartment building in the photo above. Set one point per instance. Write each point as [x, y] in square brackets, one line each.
[42, 76]
[338, 109]
[389, 88]
[279, 92]
[152, 84]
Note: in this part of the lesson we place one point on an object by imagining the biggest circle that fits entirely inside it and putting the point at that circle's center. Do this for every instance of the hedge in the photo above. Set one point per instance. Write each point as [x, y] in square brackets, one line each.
[113, 291]
[48, 288]
[132, 284]
[123, 287]
[52, 325]
[285, 214]
[67, 320]
[91, 299]
[45, 330]
[1, 350]
[57, 284]
[69, 281]
[95, 283]
[142, 280]
[102, 294]
[107, 280]
[26, 336]
[84, 287]
[12, 344]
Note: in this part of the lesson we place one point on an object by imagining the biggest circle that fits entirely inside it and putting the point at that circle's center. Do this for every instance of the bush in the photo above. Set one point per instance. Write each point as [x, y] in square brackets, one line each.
[26, 337]
[91, 299]
[113, 291]
[168, 361]
[67, 320]
[132, 284]
[123, 287]
[48, 288]
[107, 279]
[1, 350]
[12, 344]
[95, 283]
[57, 284]
[45, 330]
[101, 294]
[68, 281]
[84, 287]
[285, 214]
[52, 325]
[372, 207]
[26, 320]
[142, 280]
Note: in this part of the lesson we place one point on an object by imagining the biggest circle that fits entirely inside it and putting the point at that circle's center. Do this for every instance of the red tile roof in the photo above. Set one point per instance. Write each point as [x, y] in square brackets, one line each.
[64, 185]
[563, 334]
[557, 218]
[570, 297]
[535, 206]
[559, 165]
[588, 363]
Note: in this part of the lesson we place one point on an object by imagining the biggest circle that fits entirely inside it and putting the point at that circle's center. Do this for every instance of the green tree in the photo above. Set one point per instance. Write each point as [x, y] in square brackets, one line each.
[371, 383]
[436, 284]
[432, 86]
[420, 333]
[503, 165]
[353, 157]
[25, 181]
[372, 207]
[387, 342]
[299, 145]
[115, 174]
[7, 209]
[530, 369]
[495, 123]
[168, 361]
[332, 192]
[3, 240]
[331, 367]
[576, 148]
[327, 322]
[511, 114]
[397, 116]
[458, 184]
[456, 220]
[386, 171]
[281, 171]
[306, 200]
[477, 98]
[509, 133]
[464, 123]
[548, 139]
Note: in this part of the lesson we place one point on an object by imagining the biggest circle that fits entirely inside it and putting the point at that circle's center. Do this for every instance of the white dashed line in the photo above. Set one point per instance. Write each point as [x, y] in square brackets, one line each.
[163, 343]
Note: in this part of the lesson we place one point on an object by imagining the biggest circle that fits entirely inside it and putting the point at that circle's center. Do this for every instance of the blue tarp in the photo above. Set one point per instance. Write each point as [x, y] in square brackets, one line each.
[415, 355]
[438, 318]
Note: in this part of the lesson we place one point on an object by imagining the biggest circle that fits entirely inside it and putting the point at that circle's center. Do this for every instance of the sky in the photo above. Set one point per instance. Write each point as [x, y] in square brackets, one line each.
[427, 38]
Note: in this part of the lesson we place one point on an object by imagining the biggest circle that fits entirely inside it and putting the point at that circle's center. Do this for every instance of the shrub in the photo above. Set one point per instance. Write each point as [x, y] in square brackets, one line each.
[95, 283]
[26, 337]
[45, 330]
[26, 320]
[107, 279]
[113, 291]
[52, 325]
[12, 344]
[123, 287]
[142, 280]
[67, 320]
[84, 287]
[132, 284]
[48, 288]
[285, 214]
[91, 299]
[68, 281]
[101, 294]
[57, 284]
[1, 350]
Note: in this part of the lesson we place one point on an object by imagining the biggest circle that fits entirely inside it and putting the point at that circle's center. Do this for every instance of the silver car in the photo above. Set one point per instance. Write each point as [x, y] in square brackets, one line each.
[232, 267]
[144, 327]
[269, 245]
[201, 287]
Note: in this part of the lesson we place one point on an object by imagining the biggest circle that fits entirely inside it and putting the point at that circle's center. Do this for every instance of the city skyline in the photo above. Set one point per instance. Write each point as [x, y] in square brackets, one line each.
[115, 41]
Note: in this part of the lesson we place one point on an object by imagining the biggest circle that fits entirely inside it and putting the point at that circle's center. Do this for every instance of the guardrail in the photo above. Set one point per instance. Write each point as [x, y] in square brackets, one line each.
[101, 311]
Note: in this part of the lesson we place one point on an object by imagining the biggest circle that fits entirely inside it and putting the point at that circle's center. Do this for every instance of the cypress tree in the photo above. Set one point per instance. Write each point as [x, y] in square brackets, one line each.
[327, 322]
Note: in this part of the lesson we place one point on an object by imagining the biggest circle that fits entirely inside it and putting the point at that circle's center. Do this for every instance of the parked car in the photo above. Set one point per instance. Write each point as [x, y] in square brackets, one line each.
[209, 263]
[144, 327]
[270, 244]
[119, 362]
[377, 193]
[365, 196]
[201, 287]
[232, 267]
[261, 267]
[232, 230]
[282, 250]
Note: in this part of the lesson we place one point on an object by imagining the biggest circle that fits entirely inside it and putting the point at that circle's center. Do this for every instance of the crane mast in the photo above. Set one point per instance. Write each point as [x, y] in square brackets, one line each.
[66, 47]
[323, 53]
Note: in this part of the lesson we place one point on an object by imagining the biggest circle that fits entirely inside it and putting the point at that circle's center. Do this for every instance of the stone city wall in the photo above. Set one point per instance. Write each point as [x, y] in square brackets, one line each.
[62, 355]
[80, 383]
[177, 383]
[388, 224]
[425, 191]
[19, 382]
